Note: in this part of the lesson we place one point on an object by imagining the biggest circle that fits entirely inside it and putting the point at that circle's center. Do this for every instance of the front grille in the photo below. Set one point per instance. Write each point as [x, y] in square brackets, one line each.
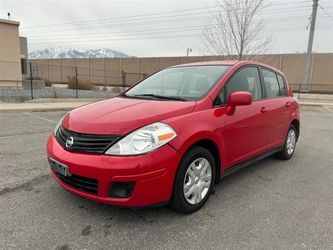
[86, 143]
[85, 184]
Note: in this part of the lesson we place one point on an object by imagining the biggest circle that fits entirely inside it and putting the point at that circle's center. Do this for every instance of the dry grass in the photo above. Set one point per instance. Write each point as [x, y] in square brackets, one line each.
[81, 84]
[117, 90]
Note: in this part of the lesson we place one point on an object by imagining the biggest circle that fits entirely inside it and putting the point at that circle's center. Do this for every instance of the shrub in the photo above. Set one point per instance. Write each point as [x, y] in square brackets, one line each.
[81, 84]
[116, 90]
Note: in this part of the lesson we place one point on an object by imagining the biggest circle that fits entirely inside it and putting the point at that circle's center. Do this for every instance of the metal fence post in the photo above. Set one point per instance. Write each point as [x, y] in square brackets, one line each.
[299, 91]
[76, 90]
[123, 80]
[31, 85]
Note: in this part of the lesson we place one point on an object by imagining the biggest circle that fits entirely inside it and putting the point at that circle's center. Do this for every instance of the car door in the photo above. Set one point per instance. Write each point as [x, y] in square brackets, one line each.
[278, 106]
[245, 132]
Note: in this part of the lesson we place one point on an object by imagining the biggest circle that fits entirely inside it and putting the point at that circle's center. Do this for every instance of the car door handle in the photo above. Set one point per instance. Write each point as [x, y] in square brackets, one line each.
[263, 110]
[288, 104]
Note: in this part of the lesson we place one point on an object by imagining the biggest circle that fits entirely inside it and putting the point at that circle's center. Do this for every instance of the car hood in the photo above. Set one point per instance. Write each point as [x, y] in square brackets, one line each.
[122, 115]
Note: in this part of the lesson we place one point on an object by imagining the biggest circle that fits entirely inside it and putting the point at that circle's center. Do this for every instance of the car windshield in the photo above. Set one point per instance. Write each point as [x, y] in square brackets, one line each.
[180, 83]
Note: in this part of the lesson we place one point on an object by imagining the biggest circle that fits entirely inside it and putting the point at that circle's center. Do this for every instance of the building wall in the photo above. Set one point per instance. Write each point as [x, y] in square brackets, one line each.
[10, 59]
[108, 70]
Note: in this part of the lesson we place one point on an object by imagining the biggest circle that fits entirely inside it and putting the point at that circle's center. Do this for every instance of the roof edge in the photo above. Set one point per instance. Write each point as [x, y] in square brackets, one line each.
[9, 22]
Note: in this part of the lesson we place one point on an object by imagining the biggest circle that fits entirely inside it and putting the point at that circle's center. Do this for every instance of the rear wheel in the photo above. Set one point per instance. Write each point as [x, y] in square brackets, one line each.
[290, 144]
[194, 180]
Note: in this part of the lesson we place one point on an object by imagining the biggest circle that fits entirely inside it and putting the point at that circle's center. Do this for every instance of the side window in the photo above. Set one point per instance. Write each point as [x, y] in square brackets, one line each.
[247, 79]
[282, 85]
[271, 83]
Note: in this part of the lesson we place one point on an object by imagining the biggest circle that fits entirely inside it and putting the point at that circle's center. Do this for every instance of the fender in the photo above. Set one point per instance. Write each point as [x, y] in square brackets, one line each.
[294, 115]
[205, 124]
[195, 138]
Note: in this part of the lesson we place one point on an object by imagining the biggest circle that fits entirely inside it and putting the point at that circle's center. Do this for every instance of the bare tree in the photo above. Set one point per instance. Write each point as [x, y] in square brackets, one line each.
[236, 29]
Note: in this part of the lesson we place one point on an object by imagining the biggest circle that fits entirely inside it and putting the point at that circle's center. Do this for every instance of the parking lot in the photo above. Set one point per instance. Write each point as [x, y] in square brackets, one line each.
[271, 204]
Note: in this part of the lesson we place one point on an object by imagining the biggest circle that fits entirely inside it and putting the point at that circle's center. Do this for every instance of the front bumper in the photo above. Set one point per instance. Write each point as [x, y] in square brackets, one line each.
[153, 173]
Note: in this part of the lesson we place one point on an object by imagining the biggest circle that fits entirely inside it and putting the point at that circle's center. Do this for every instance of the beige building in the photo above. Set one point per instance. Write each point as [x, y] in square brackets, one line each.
[10, 55]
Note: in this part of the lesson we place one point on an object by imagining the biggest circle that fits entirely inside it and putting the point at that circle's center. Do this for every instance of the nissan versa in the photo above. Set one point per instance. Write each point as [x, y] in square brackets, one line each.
[173, 136]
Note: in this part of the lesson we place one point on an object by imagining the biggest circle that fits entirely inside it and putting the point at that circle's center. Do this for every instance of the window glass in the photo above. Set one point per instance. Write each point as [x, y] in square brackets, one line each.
[190, 83]
[247, 79]
[24, 70]
[282, 85]
[271, 83]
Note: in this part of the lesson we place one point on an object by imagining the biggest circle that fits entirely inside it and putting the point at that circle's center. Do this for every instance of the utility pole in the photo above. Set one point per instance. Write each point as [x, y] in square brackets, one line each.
[31, 82]
[188, 51]
[309, 51]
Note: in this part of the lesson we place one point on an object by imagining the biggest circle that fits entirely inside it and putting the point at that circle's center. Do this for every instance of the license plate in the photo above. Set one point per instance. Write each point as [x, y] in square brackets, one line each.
[59, 167]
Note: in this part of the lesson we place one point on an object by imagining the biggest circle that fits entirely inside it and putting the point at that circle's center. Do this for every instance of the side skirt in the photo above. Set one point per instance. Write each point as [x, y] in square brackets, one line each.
[250, 161]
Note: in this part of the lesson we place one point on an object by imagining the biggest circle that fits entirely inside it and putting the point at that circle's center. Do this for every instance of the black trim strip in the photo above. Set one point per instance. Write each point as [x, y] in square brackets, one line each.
[78, 182]
[250, 161]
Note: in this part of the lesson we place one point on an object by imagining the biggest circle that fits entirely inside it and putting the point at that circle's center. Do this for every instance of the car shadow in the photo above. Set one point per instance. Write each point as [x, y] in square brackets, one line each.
[250, 175]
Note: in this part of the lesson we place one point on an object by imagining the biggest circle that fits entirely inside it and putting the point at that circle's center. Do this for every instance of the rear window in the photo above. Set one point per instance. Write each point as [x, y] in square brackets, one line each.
[271, 83]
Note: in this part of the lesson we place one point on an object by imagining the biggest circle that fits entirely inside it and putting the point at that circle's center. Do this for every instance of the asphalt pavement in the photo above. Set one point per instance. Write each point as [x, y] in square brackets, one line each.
[272, 204]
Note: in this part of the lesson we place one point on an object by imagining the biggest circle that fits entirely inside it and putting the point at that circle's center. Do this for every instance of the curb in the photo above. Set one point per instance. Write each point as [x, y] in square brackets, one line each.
[315, 104]
[37, 109]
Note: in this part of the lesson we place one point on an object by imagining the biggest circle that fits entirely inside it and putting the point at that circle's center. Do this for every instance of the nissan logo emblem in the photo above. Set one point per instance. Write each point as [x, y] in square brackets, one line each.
[69, 142]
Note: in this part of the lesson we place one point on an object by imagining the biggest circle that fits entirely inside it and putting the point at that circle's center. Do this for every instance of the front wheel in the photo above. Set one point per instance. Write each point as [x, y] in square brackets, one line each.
[194, 180]
[290, 144]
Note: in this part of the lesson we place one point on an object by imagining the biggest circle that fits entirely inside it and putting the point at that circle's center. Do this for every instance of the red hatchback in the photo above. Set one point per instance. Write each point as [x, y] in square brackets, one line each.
[174, 135]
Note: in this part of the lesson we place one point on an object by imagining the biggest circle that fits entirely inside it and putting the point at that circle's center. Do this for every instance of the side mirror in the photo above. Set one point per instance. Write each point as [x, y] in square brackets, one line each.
[239, 98]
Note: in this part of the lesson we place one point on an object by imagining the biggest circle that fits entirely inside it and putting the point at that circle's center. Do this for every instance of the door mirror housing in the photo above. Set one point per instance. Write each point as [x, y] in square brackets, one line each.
[239, 98]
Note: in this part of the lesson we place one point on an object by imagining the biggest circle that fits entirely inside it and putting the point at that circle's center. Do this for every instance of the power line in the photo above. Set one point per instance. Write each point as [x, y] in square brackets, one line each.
[327, 14]
[174, 18]
[188, 15]
[154, 16]
[145, 31]
[139, 16]
[82, 40]
[74, 34]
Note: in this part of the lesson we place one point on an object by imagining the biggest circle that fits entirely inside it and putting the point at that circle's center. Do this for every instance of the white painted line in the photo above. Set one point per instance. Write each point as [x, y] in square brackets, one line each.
[40, 117]
[328, 109]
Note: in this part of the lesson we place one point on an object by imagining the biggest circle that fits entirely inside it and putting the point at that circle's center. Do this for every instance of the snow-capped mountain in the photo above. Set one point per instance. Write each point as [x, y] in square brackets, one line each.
[51, 53]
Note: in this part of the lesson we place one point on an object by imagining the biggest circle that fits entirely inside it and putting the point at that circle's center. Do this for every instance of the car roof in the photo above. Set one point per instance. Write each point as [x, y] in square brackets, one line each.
[228, 62]
[205, 63]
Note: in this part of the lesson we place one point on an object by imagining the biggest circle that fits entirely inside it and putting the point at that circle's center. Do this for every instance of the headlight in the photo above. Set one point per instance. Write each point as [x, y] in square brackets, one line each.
[58, 126]
[143, 140]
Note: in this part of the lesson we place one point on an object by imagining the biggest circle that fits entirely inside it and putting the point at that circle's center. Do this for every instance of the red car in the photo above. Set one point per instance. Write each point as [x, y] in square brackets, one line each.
[174, 135]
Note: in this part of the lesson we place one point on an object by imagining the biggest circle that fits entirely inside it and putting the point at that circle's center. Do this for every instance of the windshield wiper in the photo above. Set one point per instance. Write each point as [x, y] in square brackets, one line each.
[159, 97]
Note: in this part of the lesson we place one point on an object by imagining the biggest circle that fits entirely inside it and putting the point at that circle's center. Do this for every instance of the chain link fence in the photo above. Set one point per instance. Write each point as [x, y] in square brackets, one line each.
[56, 81]
[59, 81]
[82, 78]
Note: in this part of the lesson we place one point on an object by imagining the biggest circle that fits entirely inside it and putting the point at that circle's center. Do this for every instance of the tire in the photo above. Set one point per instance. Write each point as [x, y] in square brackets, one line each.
[289, 145]
[195, 177]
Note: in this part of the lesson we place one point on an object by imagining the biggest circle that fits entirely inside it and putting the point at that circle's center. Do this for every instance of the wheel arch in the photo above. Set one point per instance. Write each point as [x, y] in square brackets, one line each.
[296, 124]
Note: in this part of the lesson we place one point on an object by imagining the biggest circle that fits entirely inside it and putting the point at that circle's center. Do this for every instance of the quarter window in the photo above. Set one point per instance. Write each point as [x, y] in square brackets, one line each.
[282, 85]
[271, 83]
